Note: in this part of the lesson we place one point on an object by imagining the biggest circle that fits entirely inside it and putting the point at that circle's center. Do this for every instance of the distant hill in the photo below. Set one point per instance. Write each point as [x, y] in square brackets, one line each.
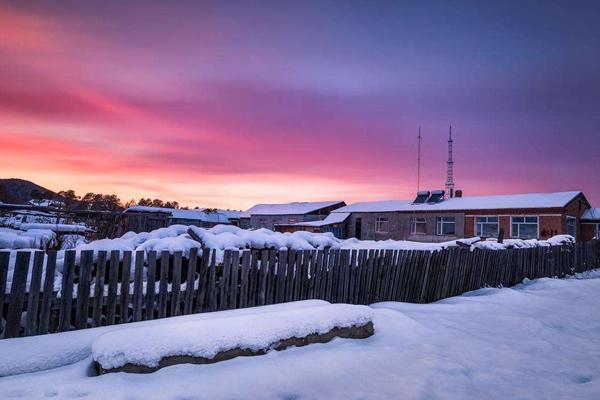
[18, 191]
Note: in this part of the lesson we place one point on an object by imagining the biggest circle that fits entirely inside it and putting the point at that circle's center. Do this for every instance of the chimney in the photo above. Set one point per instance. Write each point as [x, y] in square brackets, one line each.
[458, 193]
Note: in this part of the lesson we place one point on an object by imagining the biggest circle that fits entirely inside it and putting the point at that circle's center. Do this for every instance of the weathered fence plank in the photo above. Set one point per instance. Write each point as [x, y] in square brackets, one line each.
[99, 289]
[150, 285]
[113, 276]
[17, 295]
[66, 291]
[235, 273]
[192, 268]
[176, 285]
[265, 261]
[48, 293]
[163, 284]
[202, 281]
[83, 289]
[4, 264]
[33, 300]
[138, 286]
[125, 280]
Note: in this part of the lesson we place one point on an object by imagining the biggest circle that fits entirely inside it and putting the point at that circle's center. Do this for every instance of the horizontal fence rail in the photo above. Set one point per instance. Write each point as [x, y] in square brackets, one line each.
[116, 287]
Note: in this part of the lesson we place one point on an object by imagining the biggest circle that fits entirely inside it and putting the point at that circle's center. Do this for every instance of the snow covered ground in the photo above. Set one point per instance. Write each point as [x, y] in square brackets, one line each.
[538, 340]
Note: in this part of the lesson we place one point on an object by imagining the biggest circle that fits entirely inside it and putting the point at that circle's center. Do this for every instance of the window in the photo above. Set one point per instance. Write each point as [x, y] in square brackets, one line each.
[524, 227]
[292, 220]
[262, 222]
[572, 226]
[418, 226]
[382, 225]
[276, 221]
[445, 226]
[486, 226]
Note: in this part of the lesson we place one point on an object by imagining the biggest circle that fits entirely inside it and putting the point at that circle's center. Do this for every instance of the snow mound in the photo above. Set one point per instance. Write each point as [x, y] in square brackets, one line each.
[148, 345]
[221, 238]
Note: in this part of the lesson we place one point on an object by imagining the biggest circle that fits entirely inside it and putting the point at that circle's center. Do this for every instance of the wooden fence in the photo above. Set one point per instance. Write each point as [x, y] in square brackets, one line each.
[162, 285]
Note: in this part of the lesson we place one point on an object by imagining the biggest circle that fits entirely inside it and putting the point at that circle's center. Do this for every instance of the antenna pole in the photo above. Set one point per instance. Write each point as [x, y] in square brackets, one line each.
[419, 163]
[450, 165]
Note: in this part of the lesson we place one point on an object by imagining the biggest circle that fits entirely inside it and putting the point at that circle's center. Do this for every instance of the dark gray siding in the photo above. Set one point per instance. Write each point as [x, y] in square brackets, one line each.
[269, 221]
[399, 226]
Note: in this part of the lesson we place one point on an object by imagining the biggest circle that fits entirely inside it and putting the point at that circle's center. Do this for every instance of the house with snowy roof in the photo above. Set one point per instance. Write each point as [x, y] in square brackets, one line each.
[432, 217]
[271, 216]
[146, 219]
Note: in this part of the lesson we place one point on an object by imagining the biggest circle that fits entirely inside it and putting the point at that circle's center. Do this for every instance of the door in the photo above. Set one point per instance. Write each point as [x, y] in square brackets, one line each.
[358, 228]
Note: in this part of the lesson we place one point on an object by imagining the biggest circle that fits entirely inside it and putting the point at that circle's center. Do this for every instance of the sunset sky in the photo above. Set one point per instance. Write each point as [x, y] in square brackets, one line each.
[229, 103]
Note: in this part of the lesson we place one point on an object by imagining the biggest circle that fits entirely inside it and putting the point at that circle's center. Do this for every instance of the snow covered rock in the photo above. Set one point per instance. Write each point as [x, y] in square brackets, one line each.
[203, 342]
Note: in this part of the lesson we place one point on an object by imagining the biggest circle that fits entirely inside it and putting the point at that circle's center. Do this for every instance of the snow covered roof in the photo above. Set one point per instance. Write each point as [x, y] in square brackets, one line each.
[591, 214]
[53, 227]
[295, 208]
[199, 214]
[513, 201]
[333, 218]
[149, 209]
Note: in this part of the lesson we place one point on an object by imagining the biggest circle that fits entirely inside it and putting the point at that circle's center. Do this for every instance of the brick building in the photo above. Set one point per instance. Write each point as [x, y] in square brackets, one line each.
[334, 223]
[436, 219]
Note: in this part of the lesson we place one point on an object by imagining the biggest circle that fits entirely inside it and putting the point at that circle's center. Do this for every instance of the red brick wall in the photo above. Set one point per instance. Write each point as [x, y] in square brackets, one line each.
[552, 226]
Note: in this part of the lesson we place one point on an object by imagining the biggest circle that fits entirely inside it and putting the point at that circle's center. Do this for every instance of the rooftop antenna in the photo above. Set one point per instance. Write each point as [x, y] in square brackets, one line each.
[419, 163]
[450, 162]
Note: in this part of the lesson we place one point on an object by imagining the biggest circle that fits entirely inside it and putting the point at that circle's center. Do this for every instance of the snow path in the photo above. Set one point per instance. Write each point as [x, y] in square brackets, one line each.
[539, 340]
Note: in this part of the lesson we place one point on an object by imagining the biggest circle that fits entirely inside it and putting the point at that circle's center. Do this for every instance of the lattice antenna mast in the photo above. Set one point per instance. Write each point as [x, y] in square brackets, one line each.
[450, 162]
[419, 163]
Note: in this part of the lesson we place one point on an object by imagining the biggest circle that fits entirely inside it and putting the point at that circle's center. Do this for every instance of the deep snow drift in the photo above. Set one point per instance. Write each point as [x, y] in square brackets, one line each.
[538, 340]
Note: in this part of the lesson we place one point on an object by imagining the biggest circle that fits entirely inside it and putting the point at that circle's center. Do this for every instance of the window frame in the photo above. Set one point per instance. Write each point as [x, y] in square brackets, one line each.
[413, 225]
[524, 217]
[574, 219]
[439, 225]
[487, 222]
[379, 221]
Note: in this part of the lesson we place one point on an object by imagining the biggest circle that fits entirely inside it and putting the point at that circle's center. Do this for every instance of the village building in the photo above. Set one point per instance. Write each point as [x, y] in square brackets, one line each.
[433, 218]
[272, 215]
[146, 219]
[590, 223]
[334, 223]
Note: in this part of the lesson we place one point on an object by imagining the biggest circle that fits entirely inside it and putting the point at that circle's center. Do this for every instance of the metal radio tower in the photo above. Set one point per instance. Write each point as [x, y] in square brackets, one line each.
[450, 162]
[419, 163]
